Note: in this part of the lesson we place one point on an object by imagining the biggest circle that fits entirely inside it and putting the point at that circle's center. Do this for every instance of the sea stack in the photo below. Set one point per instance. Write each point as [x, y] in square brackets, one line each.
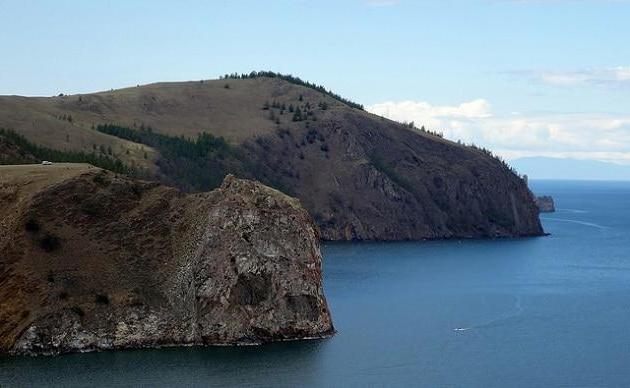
[545, 204]
[93, 260]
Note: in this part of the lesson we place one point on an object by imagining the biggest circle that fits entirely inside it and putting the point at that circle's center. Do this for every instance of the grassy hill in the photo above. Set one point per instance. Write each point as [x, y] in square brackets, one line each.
[361, 176]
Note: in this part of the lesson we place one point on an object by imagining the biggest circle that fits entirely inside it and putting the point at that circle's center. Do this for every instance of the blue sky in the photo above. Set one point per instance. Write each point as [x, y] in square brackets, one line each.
[521, 77]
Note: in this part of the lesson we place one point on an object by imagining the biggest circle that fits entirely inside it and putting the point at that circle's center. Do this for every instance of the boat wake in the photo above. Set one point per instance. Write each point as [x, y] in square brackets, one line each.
[514, 312]
[598, 226]
[576, 211]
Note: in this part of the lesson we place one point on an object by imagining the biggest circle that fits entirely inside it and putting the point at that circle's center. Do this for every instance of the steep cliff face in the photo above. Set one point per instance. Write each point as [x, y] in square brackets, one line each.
[93, 260]
[364, 178]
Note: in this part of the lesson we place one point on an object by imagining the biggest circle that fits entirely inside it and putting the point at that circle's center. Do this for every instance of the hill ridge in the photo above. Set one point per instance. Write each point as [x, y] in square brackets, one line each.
[361, 176]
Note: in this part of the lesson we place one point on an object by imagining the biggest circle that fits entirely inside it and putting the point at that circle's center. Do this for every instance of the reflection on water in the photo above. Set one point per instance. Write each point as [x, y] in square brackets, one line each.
[296, 362]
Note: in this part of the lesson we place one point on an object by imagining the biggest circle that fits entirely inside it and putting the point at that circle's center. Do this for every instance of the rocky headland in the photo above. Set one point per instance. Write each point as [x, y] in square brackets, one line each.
[94, 260]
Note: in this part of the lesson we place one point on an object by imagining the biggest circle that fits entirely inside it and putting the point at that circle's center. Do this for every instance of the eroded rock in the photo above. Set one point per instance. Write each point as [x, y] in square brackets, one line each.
[136, 264]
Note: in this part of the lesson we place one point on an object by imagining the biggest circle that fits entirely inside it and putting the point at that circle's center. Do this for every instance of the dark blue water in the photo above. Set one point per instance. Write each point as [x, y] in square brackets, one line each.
[552, 311]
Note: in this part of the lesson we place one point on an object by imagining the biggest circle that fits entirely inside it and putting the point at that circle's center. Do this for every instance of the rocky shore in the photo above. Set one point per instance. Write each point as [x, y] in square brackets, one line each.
[93, 260]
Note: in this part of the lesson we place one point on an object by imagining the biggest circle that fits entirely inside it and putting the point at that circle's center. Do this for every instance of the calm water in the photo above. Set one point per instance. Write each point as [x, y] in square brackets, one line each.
[552, 311]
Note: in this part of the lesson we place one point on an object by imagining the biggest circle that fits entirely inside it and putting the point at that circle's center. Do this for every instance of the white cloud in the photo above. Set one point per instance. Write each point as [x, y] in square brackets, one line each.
[584, 136]
[618, 76]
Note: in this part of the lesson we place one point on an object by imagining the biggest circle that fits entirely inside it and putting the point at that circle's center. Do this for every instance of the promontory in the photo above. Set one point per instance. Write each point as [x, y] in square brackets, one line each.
[95, 260]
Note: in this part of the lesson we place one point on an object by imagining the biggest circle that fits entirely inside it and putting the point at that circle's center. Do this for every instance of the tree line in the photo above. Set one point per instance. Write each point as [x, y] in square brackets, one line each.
[296, 81]
[195, 164]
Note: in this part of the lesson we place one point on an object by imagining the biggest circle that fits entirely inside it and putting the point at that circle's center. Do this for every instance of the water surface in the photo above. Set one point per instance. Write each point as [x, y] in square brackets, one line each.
[551, 311]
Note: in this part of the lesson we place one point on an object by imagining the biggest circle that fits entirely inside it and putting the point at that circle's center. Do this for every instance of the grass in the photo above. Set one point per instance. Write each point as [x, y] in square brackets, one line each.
[54, 155]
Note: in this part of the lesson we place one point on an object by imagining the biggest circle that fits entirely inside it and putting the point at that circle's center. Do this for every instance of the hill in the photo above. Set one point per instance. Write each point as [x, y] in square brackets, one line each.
[573, 169]
[361, 176]
[94, 260]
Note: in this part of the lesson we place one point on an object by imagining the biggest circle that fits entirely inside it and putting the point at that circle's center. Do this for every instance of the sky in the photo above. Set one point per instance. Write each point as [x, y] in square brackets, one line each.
[521, 77]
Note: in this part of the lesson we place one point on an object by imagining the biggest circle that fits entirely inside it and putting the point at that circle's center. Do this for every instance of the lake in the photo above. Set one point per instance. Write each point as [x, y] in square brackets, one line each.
[548, 311]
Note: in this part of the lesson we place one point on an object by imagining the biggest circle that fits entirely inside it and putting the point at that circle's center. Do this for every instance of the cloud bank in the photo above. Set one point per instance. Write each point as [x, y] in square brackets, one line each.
[581, 136]
[618, 76]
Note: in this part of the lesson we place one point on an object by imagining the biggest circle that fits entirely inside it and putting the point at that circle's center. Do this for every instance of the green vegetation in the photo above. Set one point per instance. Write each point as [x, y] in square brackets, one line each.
[297, 115]
[296, 81]
[192, 164]
[43, 153]
[386, 169]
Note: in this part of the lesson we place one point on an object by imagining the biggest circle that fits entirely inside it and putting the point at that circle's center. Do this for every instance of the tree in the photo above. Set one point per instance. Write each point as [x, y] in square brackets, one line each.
[297, 116]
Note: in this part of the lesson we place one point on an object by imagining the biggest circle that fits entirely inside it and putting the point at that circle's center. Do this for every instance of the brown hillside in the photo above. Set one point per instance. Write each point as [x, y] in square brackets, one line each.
[360, 175]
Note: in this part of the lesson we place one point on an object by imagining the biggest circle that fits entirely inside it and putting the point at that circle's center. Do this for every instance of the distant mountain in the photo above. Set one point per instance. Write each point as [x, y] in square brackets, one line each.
[361, 176]
[559, 168]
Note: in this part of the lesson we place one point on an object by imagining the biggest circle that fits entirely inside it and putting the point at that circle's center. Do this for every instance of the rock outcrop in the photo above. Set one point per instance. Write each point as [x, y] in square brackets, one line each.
[93, 260]
[545, 204]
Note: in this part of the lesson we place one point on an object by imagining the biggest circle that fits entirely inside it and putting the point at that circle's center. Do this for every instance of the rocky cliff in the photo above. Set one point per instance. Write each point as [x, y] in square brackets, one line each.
[93, 260]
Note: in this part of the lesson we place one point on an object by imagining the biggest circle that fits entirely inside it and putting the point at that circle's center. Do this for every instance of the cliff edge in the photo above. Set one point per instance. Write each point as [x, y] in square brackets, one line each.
[94, 260]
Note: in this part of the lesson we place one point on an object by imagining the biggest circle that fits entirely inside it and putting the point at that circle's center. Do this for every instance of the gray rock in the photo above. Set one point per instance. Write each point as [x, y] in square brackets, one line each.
[545, 204]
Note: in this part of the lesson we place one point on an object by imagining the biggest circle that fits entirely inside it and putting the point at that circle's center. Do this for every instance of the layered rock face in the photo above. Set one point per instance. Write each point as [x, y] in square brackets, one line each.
[93, 260]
